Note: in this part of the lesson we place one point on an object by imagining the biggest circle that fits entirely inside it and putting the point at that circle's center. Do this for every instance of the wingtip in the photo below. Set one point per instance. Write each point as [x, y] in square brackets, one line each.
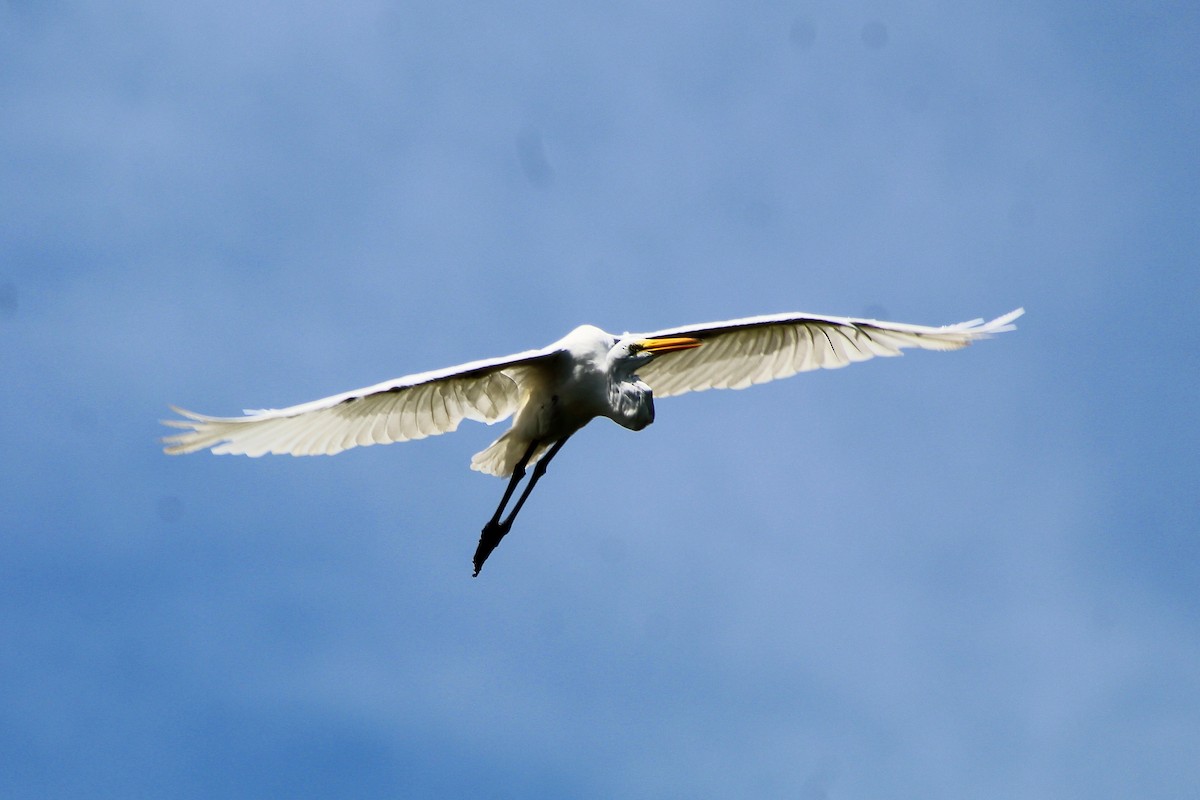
[183, 412]
[175, 445]
[193, 438]
[1004, 322]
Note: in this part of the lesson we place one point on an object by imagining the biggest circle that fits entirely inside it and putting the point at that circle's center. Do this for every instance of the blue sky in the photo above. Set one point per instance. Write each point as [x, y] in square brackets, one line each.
[948, 575]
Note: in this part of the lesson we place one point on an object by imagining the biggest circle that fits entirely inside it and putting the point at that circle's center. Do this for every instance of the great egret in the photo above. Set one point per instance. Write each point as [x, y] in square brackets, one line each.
[555, 391]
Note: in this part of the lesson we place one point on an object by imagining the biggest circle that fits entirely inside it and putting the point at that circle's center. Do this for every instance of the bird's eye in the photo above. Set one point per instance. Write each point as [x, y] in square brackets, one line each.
[635, 347]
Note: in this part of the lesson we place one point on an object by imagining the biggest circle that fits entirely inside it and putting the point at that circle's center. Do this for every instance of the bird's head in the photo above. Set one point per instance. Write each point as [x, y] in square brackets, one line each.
[637, 350]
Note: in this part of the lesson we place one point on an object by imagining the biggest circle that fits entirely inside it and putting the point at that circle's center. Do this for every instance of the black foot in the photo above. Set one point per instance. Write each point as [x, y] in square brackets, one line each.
[493, 532]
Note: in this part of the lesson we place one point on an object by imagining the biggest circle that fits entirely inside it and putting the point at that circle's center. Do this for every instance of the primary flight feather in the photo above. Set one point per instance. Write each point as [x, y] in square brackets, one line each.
[555, 391]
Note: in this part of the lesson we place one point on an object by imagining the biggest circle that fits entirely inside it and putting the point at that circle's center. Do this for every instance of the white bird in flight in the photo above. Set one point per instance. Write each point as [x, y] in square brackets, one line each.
[555, 391]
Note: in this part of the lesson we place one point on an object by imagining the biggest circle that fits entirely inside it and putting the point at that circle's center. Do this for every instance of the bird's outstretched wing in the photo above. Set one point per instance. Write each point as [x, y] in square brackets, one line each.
[412, 407]
[742, 352]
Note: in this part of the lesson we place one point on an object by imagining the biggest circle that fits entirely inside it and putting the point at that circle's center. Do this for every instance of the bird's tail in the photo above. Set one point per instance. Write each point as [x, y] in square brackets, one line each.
[501, 457]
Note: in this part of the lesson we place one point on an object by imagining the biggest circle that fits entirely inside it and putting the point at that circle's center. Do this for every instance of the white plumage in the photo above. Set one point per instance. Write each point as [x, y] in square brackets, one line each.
[556, 390]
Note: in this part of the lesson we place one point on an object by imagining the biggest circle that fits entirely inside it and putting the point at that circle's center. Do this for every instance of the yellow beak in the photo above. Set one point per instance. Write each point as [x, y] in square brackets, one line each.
[669, 344]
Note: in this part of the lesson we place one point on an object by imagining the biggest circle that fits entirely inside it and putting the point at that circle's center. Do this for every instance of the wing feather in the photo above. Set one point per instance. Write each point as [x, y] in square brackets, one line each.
[443, 419]
[406, 409]
[742, 352]
[777, 360]
[316, 439]
[728, 354]
[784, 365]
[411, 407]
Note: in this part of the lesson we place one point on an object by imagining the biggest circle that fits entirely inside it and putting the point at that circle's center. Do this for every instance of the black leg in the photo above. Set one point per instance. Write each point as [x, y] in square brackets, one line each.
[517, 475]
[538, 471]
[495, 530]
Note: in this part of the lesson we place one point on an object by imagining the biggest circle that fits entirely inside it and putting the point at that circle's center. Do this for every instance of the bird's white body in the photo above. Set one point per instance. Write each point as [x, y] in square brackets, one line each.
[555, 391]
[579, 382]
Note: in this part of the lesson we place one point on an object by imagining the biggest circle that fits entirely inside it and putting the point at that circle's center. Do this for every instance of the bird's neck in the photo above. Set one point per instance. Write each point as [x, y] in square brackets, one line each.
[631, 403]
